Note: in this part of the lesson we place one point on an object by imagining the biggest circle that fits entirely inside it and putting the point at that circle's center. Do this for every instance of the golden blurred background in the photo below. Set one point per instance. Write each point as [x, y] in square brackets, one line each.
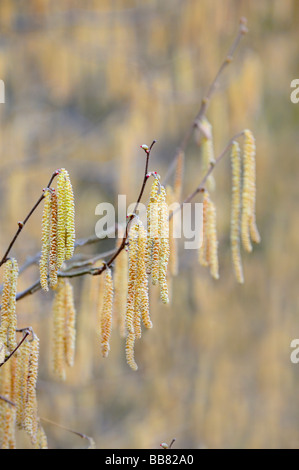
[88, 82]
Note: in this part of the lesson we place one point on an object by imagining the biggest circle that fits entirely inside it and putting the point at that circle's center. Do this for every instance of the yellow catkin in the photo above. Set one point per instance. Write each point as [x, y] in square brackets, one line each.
[133, 258]
[65, 218]
[53, 242]
[7, 411]
[8, 309]
[141, 287]
[70, 219]
[236, 212]
[58, 342]
[212, 241]
[21, 381]
[152, 223]
[173, 248]
[31, 417]
[106, 323]
[120, 289]
[70, 324]
[204, 249]
[61, 217]
[248, 223]
[208, 254]
[207, 152]
[41, 438]
[130, 341]
[44, 259]
[164, 246]
[156, 252]
[179, 175]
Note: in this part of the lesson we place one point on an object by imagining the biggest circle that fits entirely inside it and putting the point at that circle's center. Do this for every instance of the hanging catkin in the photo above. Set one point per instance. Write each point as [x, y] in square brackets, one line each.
[236, 212]
[164, 246]
[65, 218]
[31, 417]
[64, 328]
[130, 341]
[8, 309]
[141, 287]
[249, 230]
[44, 259]
[137, 298]
[106, 323]
[152, 223]
[208, 254]
[133, 258]
[120, 289]
[173, 248]
[21, 382]
[70, 324]
[53, 242]
[7, 411]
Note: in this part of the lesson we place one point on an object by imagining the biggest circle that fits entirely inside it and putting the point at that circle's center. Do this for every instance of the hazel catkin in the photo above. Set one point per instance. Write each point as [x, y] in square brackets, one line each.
[236, 212]
[106, 320]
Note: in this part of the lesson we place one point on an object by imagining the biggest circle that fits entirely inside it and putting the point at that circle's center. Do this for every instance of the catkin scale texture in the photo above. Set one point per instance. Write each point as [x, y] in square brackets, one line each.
[106, 320]
[236, 212]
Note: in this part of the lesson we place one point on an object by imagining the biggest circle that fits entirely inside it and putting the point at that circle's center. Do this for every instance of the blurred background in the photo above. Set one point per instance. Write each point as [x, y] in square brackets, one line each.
[88, 82]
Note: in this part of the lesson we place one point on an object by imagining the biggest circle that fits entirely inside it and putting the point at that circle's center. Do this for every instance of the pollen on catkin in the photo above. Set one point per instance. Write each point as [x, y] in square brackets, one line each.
[53, 243]
[204, 248]
[249, 229]
[130, 341]
[173, 248]
[152, 223]
[236, 212]
[64, 329]
[207, 151]
[44, 259]
[106, 321]
[8, 310]
[21, 382]
[209, 248]
[132, 275]
[164, 250]
[70, 324]
[31, 416]
[141, 288]
[65, 218]
[120, 290]
[7, 411]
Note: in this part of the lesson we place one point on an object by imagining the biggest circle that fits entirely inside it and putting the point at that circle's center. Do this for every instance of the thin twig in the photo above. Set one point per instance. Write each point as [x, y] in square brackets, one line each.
[27, 332]
[80, 434]
[206, 100]
[201, 186]
[22, 224]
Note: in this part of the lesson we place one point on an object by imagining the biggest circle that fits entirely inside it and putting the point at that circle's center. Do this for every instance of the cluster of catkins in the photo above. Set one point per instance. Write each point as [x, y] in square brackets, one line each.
[19, 374]
[146, 256]
[243, 217]
[58, 229]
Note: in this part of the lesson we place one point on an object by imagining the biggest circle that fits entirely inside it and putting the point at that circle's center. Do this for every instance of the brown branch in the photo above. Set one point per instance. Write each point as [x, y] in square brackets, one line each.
[207, 98]
[80, 434]
[27, 332]
[201, 186]
[131, 217]
[22, 224]
[7, 400]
